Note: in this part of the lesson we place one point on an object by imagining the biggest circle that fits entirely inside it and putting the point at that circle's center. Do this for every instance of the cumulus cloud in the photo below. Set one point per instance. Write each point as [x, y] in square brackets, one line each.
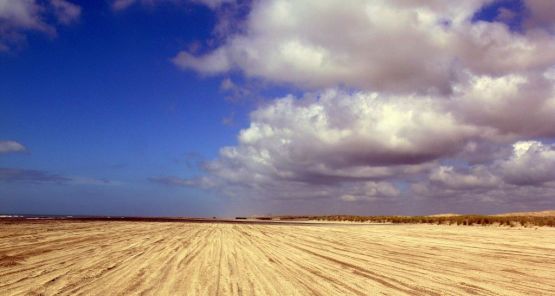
[358, 146]
[403, 100]
[336, 141]
[400, 46]
[11, 146]
[512, 104]
[344, 139]
[476, 177]
[525, 175]
[20, 16]
[355, 129]
[532, 163]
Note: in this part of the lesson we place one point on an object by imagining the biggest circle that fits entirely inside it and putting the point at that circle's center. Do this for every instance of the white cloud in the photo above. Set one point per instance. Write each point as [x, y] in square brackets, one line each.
[11, 146]
[358, 128]
[20, 16]
[65, 11]
[520, 105]
[532, 163]
[400, 46]
[477, 177]
[370, 191]
[526, 175]
[124, 4]
[214, 3]
[216, 62]
[337, 141]
[333, 144]
[403, 100]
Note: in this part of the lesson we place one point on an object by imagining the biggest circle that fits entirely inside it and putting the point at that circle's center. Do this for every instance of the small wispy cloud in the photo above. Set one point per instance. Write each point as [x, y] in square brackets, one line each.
[91, 181]
[16, 175]
[118, 5]
[31, 176]
[11, 147]
[170, 181]
[18, 17]
[66, 12]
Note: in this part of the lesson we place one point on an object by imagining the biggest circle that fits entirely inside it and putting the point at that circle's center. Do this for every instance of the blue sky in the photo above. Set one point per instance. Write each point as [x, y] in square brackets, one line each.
[123, 109]
[102, 100]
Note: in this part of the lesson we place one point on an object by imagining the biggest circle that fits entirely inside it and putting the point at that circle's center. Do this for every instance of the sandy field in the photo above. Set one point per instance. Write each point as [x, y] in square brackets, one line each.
[156, 258]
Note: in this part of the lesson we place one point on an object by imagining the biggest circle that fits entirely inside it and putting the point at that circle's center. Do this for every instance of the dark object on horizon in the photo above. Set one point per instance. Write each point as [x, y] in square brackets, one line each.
[263, 218]
[242, 218]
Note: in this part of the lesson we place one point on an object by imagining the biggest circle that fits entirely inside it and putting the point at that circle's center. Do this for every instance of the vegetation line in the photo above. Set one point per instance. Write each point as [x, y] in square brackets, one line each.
[526, 221]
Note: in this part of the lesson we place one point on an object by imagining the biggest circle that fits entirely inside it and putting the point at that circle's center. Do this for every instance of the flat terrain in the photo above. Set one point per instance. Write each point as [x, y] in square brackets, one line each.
[178, 258]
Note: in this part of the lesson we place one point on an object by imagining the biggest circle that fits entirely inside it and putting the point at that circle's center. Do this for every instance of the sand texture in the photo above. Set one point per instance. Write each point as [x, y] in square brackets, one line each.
[154, 258]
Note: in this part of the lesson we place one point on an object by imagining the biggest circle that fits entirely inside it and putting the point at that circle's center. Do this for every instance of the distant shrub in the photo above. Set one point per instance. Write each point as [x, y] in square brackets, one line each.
[511, 221]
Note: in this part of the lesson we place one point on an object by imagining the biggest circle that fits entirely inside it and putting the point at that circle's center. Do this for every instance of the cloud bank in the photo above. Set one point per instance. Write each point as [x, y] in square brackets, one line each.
[403, 100]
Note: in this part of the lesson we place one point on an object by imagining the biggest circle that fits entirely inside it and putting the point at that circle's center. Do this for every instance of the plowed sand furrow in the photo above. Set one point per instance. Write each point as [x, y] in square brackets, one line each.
[306, 273]
[341, 254]
[405, 258]
[153, 258]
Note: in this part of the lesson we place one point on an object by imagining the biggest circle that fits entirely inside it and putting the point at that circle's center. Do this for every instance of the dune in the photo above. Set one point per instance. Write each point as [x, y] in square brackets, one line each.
[550, 213]
[444, 215]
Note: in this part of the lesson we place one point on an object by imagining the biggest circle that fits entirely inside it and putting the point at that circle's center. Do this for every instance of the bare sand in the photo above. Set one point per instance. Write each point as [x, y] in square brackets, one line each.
[550, 213]
[155, 258]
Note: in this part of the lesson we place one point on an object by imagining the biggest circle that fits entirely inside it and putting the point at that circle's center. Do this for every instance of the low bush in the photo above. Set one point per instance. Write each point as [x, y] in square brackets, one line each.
[512, 221]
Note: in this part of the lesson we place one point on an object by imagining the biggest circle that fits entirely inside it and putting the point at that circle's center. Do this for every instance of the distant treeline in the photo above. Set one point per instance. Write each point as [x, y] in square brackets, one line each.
[448, 220]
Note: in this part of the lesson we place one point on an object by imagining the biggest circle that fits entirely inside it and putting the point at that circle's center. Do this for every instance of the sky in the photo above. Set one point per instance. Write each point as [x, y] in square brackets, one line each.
[268, 107]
